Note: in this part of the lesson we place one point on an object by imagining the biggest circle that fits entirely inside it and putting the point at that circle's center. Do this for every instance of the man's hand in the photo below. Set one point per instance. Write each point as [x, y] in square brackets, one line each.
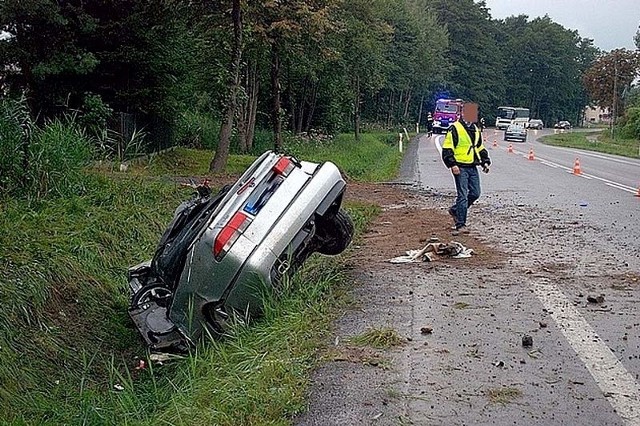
[485, 168]
[455, 170]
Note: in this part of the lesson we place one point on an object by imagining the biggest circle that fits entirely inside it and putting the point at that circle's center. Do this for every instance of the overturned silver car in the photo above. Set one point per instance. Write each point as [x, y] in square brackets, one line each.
[221, 252]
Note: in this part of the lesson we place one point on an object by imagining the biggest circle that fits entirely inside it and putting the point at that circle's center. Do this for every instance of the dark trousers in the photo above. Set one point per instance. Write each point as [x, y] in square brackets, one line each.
[468, 189]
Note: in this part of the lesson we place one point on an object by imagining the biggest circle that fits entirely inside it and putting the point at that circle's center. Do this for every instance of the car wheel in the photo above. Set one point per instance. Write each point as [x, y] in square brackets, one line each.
[153, 292]
[333, 232]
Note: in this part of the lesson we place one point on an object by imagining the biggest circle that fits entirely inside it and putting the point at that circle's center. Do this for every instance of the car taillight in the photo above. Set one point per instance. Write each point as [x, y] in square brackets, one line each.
[283, 166]
[229, 234]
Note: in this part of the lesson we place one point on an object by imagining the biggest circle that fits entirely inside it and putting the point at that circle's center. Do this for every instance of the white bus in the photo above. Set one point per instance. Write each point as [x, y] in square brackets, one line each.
[511, 115]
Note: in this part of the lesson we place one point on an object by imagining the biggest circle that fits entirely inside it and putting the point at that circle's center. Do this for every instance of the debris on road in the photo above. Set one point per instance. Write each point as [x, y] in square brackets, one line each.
[426, 330]
[543, 324]
[595, 299]
[429, 252]
[527, 341]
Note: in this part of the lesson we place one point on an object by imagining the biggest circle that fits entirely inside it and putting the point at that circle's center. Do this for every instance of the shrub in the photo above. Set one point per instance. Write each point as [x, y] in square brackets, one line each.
[197, 130]
[95, 113]
[630, 126]
[57, 154]
[36, 161]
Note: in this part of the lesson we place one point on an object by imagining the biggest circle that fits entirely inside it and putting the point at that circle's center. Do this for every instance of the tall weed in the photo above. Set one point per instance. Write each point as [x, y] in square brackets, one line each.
[15, 124]
[58, 153]
[40, 160]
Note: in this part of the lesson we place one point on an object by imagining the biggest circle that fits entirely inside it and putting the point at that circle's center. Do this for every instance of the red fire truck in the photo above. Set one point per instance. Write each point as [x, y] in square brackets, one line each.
[449, 110]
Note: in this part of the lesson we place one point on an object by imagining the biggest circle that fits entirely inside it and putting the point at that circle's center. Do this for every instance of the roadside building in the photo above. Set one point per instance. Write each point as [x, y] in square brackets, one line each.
[596, 115]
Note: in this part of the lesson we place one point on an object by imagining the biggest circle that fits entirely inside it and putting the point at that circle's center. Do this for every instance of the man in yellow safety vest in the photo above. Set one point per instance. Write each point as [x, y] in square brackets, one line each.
[462, 152]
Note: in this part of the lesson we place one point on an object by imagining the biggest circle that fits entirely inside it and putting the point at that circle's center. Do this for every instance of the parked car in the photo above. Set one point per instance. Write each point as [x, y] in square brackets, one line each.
[562, 125]
[515, 132]
[535, 124]
[223, 252]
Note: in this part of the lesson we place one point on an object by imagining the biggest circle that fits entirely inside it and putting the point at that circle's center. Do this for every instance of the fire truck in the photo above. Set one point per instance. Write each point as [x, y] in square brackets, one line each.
[449, 110]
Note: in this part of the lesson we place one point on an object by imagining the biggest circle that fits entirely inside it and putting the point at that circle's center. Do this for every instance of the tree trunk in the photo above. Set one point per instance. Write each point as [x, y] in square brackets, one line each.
[390, 109]
[407, 101]
[356, 110]
[254, 85]
[243, 118]
[219, 161]
[276, 115]
[420, 110]
[301, 107]
[312, 107]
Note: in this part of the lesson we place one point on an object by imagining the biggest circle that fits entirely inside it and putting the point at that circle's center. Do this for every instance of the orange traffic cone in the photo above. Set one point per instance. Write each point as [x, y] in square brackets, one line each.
[510, 148]
[576, 167]
[495, 143]
[531, 156]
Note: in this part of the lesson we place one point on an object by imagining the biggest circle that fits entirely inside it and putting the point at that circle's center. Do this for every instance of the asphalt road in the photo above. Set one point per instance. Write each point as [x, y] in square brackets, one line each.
[574, 236]
[557, 240]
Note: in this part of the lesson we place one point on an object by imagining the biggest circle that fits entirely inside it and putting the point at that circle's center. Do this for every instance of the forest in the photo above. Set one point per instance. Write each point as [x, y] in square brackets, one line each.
[222, 74]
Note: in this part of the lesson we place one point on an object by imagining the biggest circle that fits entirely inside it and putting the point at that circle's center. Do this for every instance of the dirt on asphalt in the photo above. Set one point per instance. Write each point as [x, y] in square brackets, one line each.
[462, 322]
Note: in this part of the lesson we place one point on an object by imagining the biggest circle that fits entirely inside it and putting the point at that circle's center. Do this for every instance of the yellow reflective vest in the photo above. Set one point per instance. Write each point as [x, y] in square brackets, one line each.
[465, 150]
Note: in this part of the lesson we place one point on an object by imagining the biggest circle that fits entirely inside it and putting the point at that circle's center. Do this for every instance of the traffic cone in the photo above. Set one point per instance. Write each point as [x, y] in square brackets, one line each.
[510, 149]
[531, 156]
[495, 143]
[576, 167]
[638, 192]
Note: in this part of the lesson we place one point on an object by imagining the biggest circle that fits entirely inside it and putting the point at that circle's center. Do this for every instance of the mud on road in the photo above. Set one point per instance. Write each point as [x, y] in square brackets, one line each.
[462, 321]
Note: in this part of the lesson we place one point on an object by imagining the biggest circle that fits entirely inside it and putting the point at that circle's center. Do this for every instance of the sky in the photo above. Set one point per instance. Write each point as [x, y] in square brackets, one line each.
[611, 24]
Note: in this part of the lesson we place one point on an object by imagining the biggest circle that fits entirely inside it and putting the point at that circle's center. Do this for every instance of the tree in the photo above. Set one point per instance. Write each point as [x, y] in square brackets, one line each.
[366, 37]
[219, 161]
[477, 61]
[609, 76]
[42, 56]
[282, 24]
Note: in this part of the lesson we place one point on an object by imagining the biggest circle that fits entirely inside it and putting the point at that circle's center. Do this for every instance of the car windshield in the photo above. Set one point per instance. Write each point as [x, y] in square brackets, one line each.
[446, 107]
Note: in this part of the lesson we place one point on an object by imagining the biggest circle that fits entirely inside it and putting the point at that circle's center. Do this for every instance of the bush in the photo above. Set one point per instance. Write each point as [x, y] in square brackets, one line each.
[37, 161]
[58, 152]
[197, 130]
[630, 126]
[95, 113]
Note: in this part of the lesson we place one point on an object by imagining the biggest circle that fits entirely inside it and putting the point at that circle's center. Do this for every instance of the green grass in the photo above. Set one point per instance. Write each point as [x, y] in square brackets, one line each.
[380, 338]
[598, 141]
[66, 342]
[374, 158]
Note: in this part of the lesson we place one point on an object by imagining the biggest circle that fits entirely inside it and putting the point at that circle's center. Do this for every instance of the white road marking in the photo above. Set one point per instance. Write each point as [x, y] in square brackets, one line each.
[624, 188]
[595, 155]
[613, 379]
[616, 383]
[611, 183]
[438, 141]
[546, 163]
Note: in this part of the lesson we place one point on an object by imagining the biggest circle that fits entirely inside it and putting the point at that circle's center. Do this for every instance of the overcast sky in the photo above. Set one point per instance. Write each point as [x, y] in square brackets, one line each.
[610, 23]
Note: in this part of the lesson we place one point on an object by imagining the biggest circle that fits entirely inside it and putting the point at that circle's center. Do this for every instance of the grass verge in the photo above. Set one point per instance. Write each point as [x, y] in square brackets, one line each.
[68, 348]
[598, 141]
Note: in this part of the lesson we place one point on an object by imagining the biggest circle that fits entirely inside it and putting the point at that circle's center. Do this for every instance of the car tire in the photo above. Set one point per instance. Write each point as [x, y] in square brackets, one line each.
[334, 232]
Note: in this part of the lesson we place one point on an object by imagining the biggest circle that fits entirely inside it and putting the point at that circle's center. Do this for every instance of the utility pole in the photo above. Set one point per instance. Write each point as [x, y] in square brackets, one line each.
[615, 94]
